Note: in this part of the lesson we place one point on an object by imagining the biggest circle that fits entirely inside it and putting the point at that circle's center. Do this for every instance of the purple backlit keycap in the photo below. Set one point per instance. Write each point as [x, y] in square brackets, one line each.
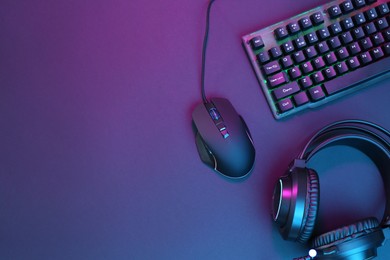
[286, 62]
[353, 63]
[285, 105]
[341, 67]
[300, 98]
[377, 53]
[271, 67]
[306, 82]
[286, 90]
[317, 77]
[277, 79]
[294, 73]
[316, 93]
[329, 73]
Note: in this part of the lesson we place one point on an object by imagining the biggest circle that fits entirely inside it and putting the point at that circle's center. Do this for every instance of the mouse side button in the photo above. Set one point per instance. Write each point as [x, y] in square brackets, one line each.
[204, 153]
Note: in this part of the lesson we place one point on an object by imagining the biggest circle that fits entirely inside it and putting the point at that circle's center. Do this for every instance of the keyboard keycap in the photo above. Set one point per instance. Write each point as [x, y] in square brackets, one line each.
[316, 93]
[359, 19]
[346, 38]
[305, 23]
[300, 42]
[286, 62]
[347, 24]
[377, 39]
[330, 58]
[353, 63]
[311, 38]
[285, 105]
[305, 82]
[342, 53]
[311, 52]
[386, 48]
[381, 24]
[257, 43]
[317, 77]
[293, 28]
[288, 47]
[277, 79]
[346, 7]
[329, 73]
[335, 28]
[323, 33]
[341, 68]
[307, 68]
[322, 47]
[294, 73]
[318, 63]
[369, 28]
[371, 14]
[386, 34]
[334, 11]
[317, 18]
[365, 58]
[275, 52]
[271, 68]
[263, 57]
[286, 90]
[359, 3]
[280, 33]
[358, 33]
[334, 43]
[360, 75]
[377, 53]
[300, 98]
[354, 48]
[382, 9]
[365, 44]
[298, 57]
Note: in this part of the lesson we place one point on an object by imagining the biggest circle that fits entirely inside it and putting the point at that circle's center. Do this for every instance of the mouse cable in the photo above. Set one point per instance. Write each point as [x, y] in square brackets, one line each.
[206, 36]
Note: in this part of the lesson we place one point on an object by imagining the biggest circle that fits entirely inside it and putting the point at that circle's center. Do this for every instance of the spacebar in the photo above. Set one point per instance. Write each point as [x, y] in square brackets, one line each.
[358, 76]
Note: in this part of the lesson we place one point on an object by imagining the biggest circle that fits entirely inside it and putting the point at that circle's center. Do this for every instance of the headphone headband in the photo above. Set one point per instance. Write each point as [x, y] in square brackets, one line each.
[342, 131]
[371, 139]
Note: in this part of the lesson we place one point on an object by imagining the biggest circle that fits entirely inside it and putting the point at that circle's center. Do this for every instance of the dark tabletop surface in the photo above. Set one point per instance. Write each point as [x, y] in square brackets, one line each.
[97, 151]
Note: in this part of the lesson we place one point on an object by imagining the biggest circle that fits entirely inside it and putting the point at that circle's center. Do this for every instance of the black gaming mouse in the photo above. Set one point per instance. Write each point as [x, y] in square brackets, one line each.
[223, 139]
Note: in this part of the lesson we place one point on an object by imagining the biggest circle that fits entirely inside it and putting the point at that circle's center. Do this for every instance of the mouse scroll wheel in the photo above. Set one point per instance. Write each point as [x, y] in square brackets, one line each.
[214, 114]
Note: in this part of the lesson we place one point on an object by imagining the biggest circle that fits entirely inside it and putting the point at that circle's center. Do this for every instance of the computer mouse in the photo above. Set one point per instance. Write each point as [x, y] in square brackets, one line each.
[223, 139]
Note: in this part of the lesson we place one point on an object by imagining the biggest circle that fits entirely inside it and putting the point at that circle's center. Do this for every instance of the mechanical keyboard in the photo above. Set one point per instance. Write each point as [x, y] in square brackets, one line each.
[322, 54]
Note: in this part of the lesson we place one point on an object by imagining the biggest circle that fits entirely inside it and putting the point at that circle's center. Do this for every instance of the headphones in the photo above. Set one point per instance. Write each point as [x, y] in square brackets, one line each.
[296, 195]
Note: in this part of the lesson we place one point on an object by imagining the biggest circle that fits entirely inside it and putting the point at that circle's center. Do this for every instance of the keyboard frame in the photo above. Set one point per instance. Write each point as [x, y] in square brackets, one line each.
[269, 40]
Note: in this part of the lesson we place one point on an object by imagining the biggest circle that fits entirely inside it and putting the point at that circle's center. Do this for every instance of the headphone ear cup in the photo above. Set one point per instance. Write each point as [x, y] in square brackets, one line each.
[356, 241]
[341, 235]
[311, 206]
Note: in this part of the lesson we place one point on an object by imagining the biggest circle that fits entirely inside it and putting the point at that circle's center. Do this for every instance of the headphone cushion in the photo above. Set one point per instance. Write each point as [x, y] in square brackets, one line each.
[312, 201]
[346, 231]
